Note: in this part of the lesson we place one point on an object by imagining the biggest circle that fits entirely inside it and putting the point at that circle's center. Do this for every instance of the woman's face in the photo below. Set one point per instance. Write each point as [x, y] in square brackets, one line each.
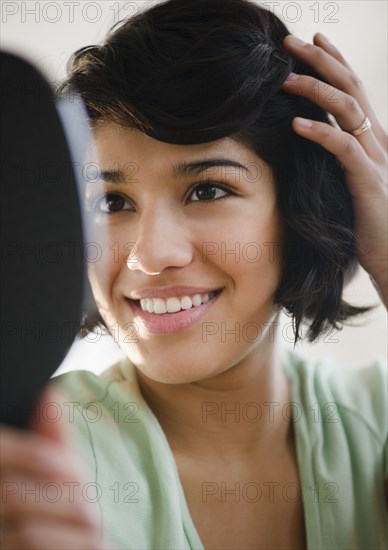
[193, 228]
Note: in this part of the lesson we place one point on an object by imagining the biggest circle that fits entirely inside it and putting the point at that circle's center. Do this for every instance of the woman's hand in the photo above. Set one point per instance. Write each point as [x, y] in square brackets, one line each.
[42, 482]
[364, 158]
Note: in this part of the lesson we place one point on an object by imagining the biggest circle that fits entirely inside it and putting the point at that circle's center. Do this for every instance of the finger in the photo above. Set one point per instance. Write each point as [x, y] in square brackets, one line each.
[381, 135]
[35, 455]
[336, 73]
[345, 108]
[27, 451]
[323, 62]
[323, 42]
[348, 151]
[32, 536]
[45, 500]
[56, 427]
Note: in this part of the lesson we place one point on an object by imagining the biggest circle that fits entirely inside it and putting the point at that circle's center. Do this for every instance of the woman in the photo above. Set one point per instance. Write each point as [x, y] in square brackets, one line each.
[229, 194]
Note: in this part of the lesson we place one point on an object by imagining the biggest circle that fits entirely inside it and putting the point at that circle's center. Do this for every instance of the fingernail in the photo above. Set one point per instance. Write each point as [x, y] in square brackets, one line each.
[304, 122]
[297, 41]
[325, 39]
[292, 76]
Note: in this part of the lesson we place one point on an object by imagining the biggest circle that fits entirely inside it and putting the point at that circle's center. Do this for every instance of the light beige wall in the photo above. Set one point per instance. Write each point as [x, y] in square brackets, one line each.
[47, 32]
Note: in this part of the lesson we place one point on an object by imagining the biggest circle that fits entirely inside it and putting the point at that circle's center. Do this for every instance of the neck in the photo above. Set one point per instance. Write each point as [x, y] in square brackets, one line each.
[235, 414]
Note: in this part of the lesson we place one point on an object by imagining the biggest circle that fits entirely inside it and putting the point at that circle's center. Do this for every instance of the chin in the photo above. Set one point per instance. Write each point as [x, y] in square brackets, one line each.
[175, 376]
[176, 373]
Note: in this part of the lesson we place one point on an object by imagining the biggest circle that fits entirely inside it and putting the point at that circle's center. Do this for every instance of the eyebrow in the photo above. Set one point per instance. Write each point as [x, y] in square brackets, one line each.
[179, 170]
[113, 176]
[194, 168]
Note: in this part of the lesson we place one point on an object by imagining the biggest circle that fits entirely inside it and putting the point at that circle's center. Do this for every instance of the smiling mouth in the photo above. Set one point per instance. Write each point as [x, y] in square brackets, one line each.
[174, 304]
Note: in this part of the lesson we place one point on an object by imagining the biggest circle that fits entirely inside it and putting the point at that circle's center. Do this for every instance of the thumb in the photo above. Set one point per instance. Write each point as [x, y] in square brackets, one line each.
[50, 421]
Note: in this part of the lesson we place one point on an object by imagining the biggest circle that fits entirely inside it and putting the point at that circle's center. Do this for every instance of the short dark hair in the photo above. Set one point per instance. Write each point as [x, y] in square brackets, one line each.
[193, 71]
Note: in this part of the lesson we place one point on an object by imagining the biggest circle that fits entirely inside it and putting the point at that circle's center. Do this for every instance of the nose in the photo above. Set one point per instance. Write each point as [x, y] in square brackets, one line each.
[162, 242]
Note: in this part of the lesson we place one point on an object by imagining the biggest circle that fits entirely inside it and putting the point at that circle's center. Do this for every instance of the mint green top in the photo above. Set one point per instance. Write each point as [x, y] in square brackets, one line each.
[340, 425]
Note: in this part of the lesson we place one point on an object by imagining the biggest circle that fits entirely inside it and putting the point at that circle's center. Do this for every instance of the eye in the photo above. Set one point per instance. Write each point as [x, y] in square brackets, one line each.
[209, 192]
[109, 203]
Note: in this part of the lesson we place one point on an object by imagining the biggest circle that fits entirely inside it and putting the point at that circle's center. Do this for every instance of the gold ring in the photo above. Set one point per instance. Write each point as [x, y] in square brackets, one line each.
[366, 125]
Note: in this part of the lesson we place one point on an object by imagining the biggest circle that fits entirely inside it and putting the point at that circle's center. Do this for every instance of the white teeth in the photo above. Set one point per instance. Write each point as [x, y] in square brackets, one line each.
[160, 306]
[197, 300]
[186, 302]
[174, 304]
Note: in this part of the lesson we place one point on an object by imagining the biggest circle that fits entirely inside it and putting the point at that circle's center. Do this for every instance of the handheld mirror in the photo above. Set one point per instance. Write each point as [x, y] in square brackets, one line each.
[43, 276]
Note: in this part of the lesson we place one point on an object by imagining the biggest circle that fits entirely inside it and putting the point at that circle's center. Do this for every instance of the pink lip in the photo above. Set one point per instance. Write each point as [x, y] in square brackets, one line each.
[168, 323]
[168, 292]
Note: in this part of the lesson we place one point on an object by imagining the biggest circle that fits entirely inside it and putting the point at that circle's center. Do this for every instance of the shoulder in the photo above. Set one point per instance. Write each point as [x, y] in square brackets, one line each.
[95, 405]
[360, 392]
[85, 386]
[94, 401]
[342, 441]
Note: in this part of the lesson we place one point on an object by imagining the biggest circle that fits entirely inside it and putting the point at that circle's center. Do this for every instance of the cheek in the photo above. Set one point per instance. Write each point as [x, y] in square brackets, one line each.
[102, 274]
[252, 256]
[108, 270]
[250, 240]
[101, 282]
